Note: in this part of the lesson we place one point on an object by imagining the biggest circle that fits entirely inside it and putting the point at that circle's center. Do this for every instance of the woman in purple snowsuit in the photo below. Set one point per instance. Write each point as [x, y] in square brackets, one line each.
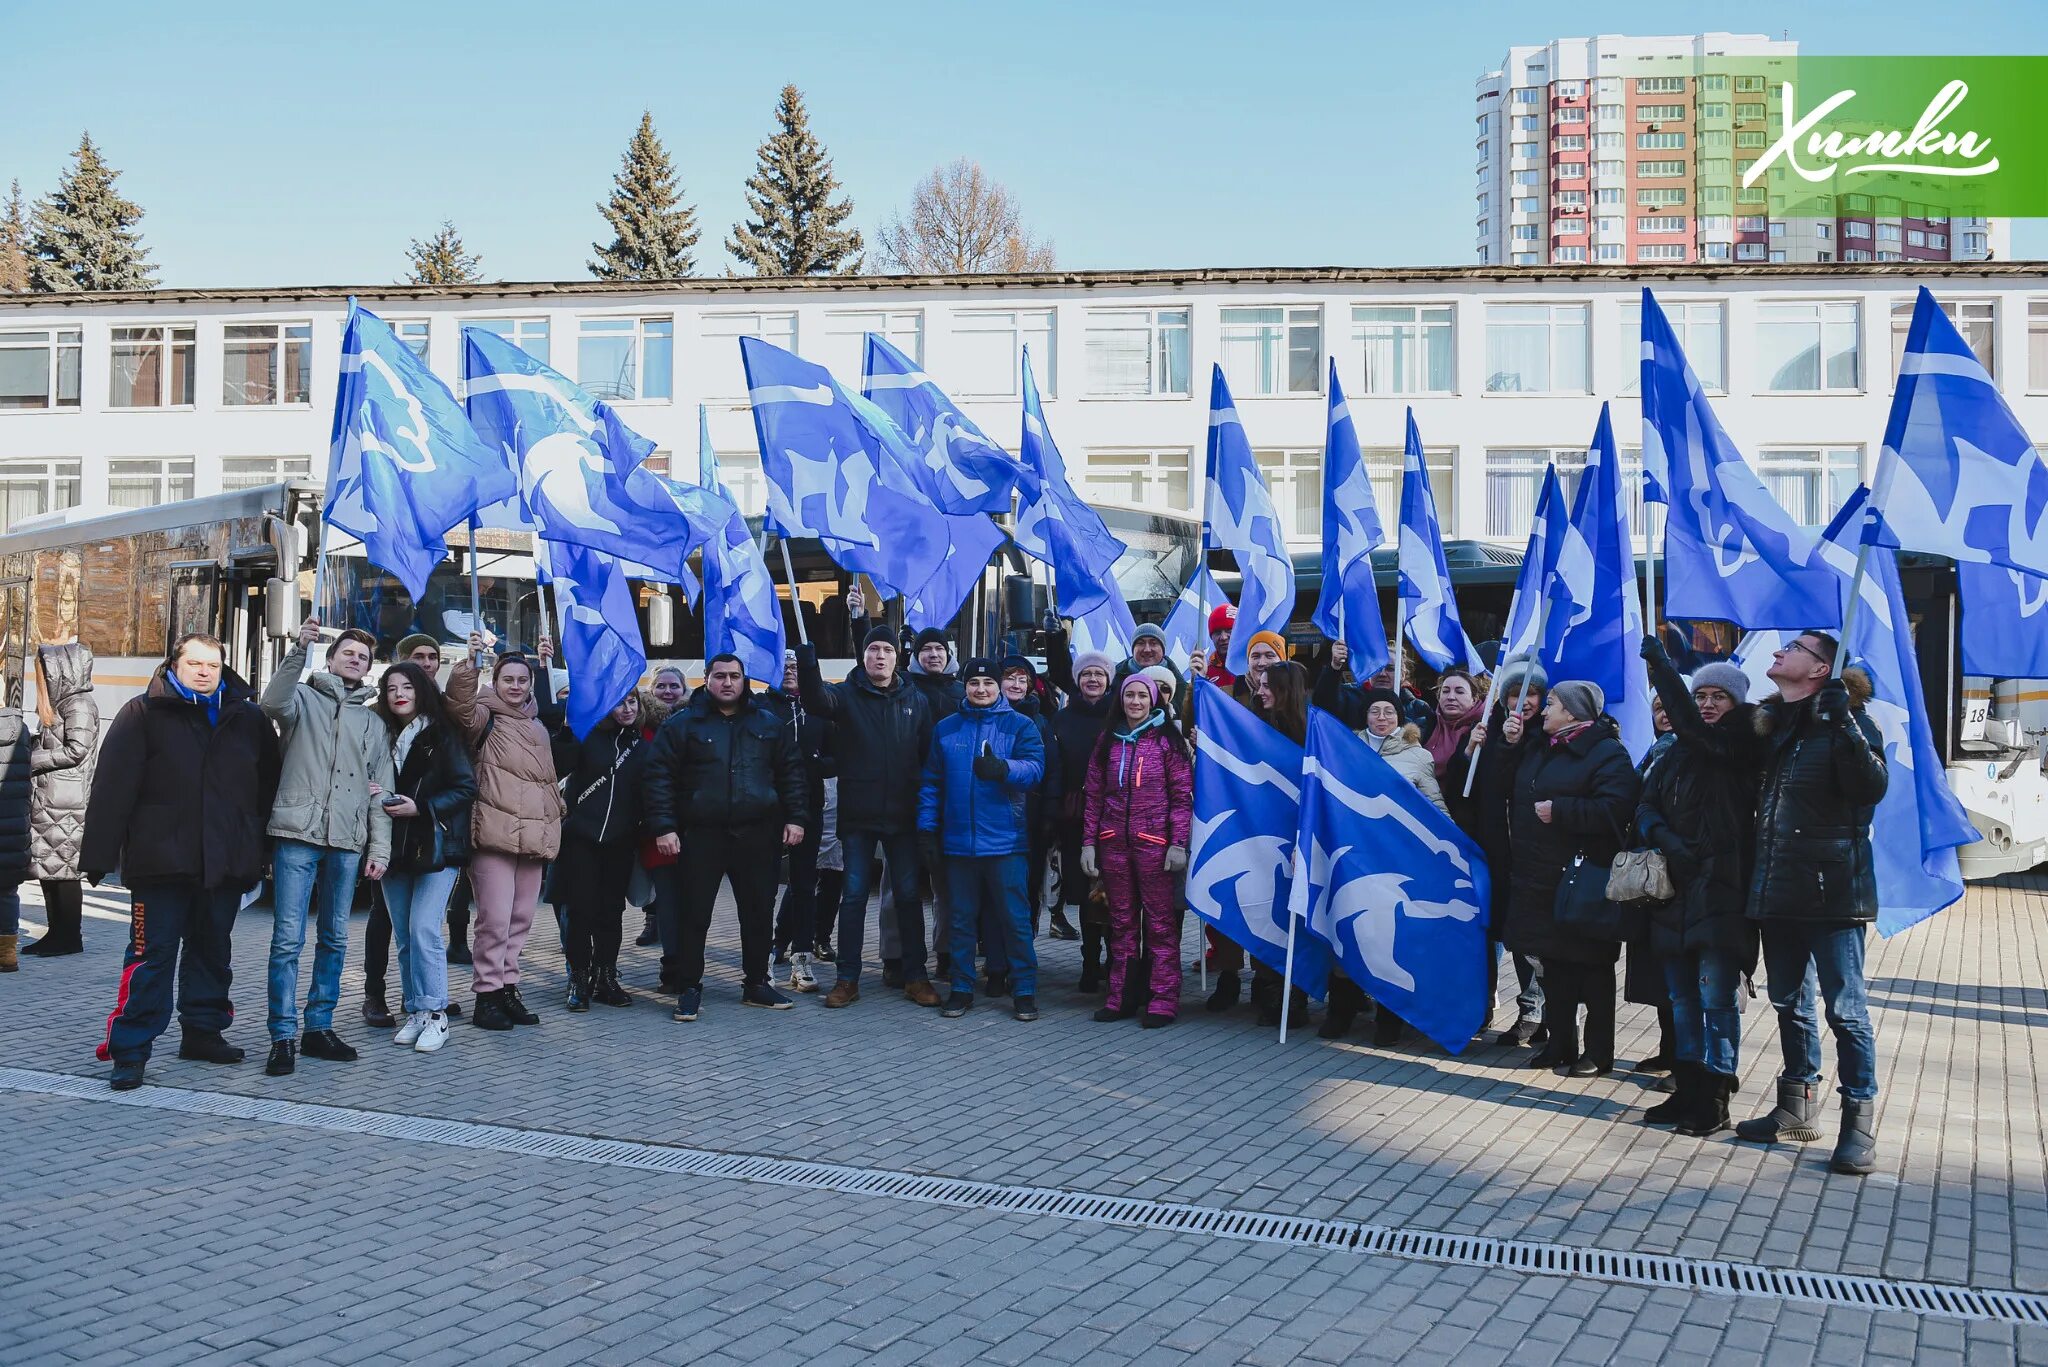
[1139, 805]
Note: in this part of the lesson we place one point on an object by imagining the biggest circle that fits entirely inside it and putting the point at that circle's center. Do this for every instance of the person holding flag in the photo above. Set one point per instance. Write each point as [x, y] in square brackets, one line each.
[1495, 749]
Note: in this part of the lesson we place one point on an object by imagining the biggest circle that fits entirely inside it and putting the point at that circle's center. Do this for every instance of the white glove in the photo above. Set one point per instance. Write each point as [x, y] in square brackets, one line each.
[1176, 859]
[1088, 864]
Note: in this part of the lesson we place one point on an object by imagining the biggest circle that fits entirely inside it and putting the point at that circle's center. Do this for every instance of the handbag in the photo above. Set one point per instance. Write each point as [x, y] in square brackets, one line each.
[1583, 907]
[1640, 876]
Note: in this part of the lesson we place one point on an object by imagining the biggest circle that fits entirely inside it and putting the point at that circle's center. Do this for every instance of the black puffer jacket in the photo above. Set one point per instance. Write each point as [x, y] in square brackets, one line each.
[1592, 788]
[1042, 804]
[942, 692]
[1698, 809]
[1075, 728]
[881, 737]
[1821, 781]
[604, 788]
[440, 778]
[16, 741]
[177, 800]
[813, 735]
[705, 768]
[1484, 815]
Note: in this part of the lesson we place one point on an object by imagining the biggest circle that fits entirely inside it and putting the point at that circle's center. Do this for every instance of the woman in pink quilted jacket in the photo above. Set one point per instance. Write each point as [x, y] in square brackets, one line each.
[1140, 801]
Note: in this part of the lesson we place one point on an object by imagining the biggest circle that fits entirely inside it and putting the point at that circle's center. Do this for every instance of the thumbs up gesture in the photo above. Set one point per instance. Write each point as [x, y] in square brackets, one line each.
[989, 765]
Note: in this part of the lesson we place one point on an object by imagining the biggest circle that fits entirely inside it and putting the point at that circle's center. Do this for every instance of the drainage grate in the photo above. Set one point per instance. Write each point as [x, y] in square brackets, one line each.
[1471, 1250]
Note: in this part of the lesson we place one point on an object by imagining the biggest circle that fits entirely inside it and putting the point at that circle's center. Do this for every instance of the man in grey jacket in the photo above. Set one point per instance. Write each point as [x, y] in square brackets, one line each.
[325, 820]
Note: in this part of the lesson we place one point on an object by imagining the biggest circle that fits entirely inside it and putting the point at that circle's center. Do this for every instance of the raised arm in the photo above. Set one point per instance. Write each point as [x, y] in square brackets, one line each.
[460, 699]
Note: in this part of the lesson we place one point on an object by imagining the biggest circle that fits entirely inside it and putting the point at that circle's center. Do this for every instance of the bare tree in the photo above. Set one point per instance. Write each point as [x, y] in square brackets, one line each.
[961, 222]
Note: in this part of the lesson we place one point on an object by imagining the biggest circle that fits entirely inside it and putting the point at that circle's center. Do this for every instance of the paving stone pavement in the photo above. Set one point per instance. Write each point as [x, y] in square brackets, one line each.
[143, 1235]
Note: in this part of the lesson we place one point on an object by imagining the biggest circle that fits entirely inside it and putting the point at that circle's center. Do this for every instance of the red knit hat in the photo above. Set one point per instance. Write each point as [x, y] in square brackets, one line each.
[1224, 616]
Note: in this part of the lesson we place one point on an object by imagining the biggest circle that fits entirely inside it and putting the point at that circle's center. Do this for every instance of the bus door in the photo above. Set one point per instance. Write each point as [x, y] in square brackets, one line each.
[14, 639]
[194, 600]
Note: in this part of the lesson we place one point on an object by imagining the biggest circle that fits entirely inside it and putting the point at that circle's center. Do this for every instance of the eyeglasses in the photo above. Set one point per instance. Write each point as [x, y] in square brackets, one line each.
[1711, 695]
[1796, 644]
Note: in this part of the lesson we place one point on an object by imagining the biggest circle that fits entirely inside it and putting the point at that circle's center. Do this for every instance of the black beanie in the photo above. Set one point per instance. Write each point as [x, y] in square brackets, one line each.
[931, 636]
[1385, 695]
[878, 634]
[980, 667]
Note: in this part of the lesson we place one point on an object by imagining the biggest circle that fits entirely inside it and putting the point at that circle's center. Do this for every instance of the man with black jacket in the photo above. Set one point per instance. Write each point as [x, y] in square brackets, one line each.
[796, 922]
[186, 778]
[724, 789]
[1814, 888]
[882, 730]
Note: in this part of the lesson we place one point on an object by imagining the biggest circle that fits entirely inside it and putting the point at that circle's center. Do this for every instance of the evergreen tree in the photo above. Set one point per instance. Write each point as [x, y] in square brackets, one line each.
[795, 228]
[84, 236]
[652, 229]
[13, 243]
[442, 260]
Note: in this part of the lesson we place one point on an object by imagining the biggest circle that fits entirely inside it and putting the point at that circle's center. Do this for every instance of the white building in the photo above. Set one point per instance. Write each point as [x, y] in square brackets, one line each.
[137, 398]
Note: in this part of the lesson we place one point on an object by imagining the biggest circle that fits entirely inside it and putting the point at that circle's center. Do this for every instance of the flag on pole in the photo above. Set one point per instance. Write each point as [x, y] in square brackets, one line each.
[601, 646]
[1107, 627]
[1187, 625]
[1958, 476]
[1597, 639]
[1524, 632]
[741, 612]
[1919, 825]
[1247, 810]
[958, 468]
[581, 471]
[1392, 884]
[404, 464]
[707, 454]
[1238, 516]
[1731, 553]
[1428, 608]
[1348, 608]
[1053, 524]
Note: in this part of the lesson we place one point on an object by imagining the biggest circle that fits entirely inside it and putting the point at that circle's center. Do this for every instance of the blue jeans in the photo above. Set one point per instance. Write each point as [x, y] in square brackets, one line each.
[1795, 956]
[900, 850]
[418, 902]
[300, 874]
[990, 891]
[1706, 1008]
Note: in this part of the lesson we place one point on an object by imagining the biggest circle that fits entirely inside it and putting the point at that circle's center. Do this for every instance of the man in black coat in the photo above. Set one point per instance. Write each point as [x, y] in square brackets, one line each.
[1814, 888]
[187, 775]
[724, 789]
[882, 728]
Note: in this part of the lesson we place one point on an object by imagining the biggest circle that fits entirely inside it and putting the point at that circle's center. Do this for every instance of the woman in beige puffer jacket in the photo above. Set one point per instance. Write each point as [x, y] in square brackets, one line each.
[515, 822]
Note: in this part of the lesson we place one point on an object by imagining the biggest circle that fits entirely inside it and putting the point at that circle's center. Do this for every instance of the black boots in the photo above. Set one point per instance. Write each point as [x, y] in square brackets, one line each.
[1225, 995]
[1346, 1001]
[515, 1008]
[1679, 1107]
[127, 1075]
[1094, 955]
[1791, 1119]
[283, 1060]
[1708, 1113]
[579, 991]
[207, 1046]
[606, 991]
[489, 1013]
[1387, 1028]
[1856, 1151]
[376, 1010]
[328, 1045]
[1061, 928]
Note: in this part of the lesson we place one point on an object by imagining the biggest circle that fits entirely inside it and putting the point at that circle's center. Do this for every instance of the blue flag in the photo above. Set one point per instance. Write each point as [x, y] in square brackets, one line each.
[1393, 885]
[581, 471]
[1107, 627]
[741, 612]
[1919, 825]
[959, 469]
[1428, 608]
[1958, 476]
[1187, 625]
[404, 465]
[600, 631]
[1053, 525]
[1238, 516]
[2005, 622]
[1597, 640]
[1240, 858]
[1523, 635]
[833, 463]
[1348, 609]
[1731, 553]
[707, 454]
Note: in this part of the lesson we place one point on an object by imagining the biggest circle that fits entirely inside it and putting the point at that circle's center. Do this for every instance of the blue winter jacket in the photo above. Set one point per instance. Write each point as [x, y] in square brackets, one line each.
[975, 817]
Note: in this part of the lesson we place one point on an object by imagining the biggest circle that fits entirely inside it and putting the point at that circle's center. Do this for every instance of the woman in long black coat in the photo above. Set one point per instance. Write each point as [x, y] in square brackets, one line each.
[1575, 793]
[1523, 689]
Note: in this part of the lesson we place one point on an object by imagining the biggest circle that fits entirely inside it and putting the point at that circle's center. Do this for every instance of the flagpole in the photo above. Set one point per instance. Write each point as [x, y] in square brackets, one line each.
[1649, 559]
[476, 620]
[1873, 512]
[796, 605]
[320, 570]
[1287, 975]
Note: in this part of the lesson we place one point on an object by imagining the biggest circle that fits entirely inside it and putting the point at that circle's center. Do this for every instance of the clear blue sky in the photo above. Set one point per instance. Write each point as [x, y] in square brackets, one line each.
[308, 144]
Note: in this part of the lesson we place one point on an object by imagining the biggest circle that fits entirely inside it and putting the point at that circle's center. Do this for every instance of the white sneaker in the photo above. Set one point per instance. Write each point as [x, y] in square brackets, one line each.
[433, 1031]
[801, 979]
[415, 1022]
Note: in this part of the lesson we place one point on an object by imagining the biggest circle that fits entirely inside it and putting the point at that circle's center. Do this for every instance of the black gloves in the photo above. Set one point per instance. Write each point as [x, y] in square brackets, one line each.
[928, 850]
[990, 766]
[1652, 649]
[1831, 704]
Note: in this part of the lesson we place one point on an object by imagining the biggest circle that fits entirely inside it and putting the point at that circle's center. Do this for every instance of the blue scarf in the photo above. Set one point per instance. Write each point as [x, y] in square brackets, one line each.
[1129, 741]
[210, 701]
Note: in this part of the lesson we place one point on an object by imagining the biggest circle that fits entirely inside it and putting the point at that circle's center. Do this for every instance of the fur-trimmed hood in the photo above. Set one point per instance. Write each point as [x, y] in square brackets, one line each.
[1854, 678]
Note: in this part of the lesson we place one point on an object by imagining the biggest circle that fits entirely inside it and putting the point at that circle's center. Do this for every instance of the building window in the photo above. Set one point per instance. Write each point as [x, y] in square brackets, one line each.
[1714, 251]
[1268, 351]
[1607, 251]
[1660, 142]
[1142, 479]
[1571, 170]
[1660, 169]
[1669, 223]
[1811, 483]
[1937, 240]
[986, 355]
[2037, 346]
[739, 474]
[1714, 109]
[1383, 468]
[1572, 114]
[1523, 150]
[1528, 95]
[1659, 113]
[1974, 244]
[626, 358]
[1888, 232]
[1526, 177]
[1974, 318]
[1409, 349]
[1607, 112]
[1137, 353]
[413, 334]
[1661, 251]
[1916, 237]
[1570, 142]
[151, 367]
[843, 345]
[1716, 194]
[1654, 198]
[39, 368]
[1715, 139]
[1568, 256]
[1702, 330]
[1660, 85]
[146, 483]
[1514, 479]
[1749, 85]
[263, 365]
[253, 472]
[1610, 195]
[1854, 255]
[1295, 481]
[1824, 231]
[1568, 90]
[1527, 232]
[1607, 142]
[530, 335]
[724, 372]
[1808, 347]
[1536, 348]
[1749, 138]
[30, 488]
[1525, 258]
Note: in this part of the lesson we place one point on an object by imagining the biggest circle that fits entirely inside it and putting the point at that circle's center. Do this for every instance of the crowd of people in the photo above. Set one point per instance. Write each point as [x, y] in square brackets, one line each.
[976, 804]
